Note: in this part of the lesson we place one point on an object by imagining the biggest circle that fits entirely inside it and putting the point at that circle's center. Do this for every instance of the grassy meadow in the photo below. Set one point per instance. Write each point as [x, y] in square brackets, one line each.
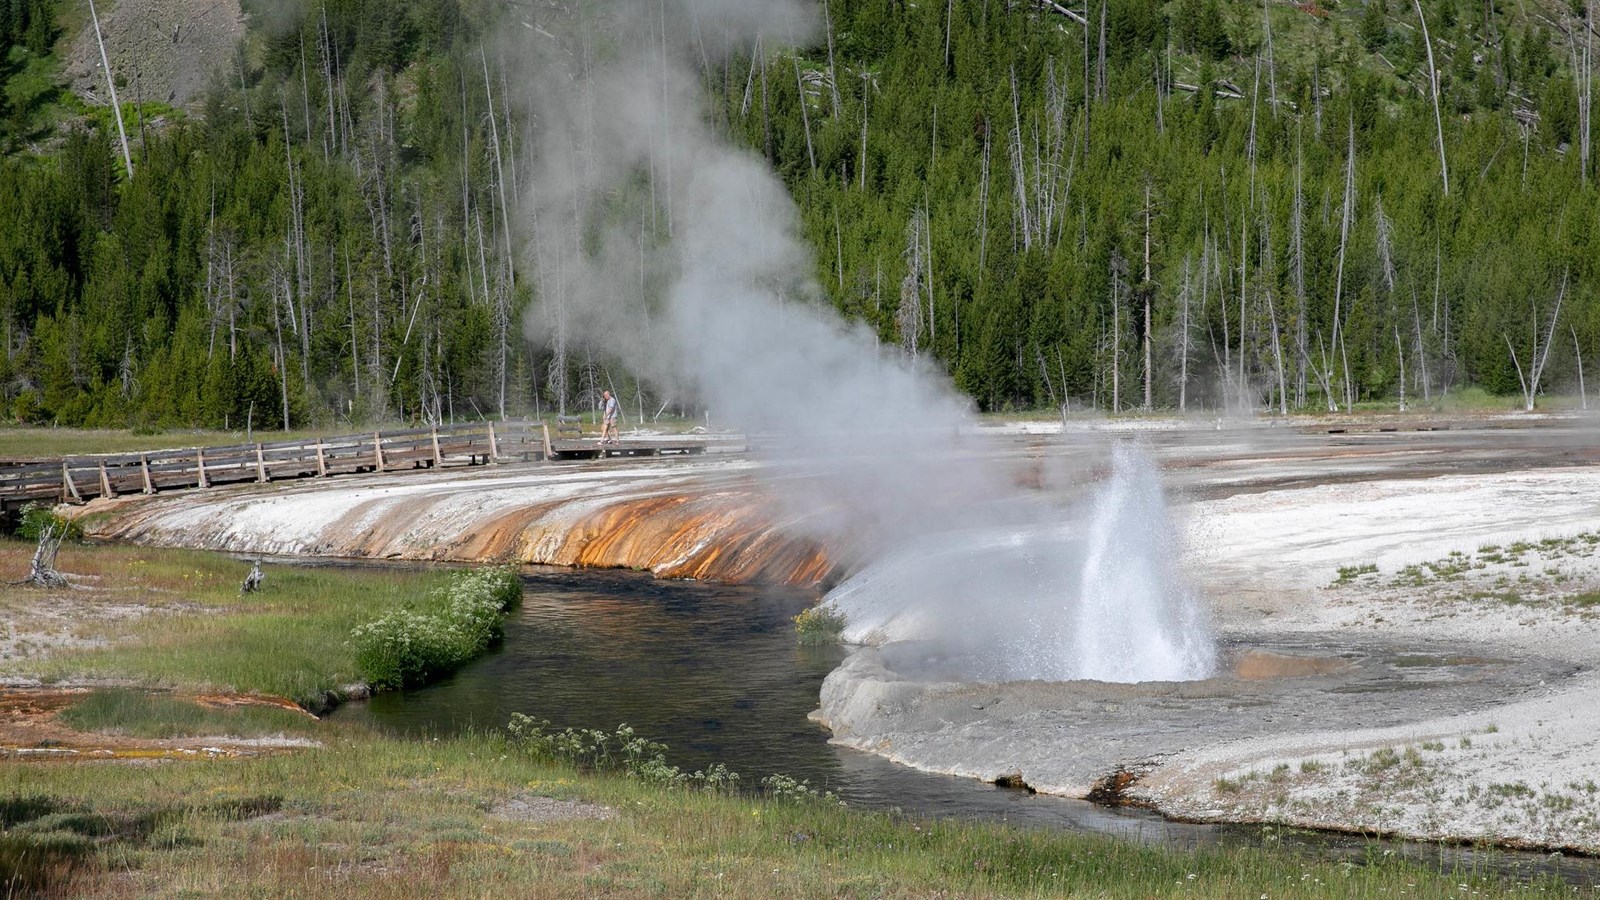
[342, 812]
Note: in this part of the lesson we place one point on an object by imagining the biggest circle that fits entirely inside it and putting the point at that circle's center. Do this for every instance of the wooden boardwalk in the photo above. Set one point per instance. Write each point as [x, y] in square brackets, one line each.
[77, 479]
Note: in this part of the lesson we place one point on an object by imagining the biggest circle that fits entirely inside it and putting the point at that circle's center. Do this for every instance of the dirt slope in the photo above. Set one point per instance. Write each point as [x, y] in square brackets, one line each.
[160, 50]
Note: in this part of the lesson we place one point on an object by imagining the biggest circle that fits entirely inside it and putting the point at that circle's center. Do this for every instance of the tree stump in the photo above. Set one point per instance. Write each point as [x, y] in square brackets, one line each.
[252, 581]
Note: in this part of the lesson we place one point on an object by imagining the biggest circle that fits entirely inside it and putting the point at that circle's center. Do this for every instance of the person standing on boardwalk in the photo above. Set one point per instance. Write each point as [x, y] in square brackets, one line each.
[608, 428]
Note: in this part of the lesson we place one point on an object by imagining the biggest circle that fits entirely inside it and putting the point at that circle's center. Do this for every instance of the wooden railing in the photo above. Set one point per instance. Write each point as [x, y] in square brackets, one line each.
[80, 478]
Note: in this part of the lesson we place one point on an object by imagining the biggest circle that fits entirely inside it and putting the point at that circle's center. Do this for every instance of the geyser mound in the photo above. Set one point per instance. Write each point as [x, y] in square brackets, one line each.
[1100, 598]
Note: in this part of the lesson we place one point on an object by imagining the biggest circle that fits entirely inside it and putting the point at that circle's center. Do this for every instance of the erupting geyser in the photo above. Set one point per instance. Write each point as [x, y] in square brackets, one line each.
[1099, 598]
[704, 285]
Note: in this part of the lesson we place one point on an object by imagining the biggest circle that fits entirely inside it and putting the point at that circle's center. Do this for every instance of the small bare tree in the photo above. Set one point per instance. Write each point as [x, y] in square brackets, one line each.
[42, 571]
[1541, 351]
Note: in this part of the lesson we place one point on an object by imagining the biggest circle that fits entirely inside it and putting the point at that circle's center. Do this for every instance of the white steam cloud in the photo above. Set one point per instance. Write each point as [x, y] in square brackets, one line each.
[723, 310]
[653, 239]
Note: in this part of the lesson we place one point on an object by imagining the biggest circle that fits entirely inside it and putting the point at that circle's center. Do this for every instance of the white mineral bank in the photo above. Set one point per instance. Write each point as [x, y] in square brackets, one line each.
[1522, 770]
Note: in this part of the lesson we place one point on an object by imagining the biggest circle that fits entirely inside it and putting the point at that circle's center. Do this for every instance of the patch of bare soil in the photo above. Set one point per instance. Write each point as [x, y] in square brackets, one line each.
[44, 620]
[160, 50]
[30, 729]
[531, 808]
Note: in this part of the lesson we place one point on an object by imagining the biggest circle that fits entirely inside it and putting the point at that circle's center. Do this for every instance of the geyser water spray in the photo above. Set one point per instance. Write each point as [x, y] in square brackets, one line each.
[1099, 596]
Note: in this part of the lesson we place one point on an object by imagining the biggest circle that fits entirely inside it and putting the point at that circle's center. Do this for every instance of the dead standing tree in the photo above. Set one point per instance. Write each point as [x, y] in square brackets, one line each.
[1541, 351]
[42, 571]
[908, 319]
[1433, 86]
[111, 88]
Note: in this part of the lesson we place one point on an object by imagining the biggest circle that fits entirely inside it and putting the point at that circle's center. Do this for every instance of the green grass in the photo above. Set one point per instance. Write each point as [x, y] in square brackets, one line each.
[1585, 600]
[1458, 565]
[287, 640]
[25, 443]
[363, 815]
[371, 817]
[142, 714]
[1348, 574]
[28, 443]
[1476, 399]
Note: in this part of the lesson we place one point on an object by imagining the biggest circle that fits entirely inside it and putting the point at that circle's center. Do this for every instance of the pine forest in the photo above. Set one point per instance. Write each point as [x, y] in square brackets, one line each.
[1220, 205]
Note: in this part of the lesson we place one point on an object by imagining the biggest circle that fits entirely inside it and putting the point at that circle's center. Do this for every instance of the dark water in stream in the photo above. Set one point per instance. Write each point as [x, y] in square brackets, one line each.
[714, 672]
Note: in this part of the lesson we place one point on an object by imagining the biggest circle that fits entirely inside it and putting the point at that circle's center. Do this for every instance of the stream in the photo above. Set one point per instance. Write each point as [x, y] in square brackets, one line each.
[715, 673]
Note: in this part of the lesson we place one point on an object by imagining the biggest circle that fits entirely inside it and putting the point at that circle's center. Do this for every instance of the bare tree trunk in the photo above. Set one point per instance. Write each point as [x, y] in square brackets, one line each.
[1244, 281]
[833, 69]
[1183, 340]
[1589, 79]
[295, 244]
[1019, 174]
[927, 238]
[1433, 84]
[908, 320]
[838, 249]
[805, 115]
[1422, 348]
[1297, 248]
[1577, 353]
[1541, 352]
[1400, 353]
[324, 45]
[1272, 71]
[502, 300]
[1116, 343]
[1205, 267]
[305, 96]
[1583, 77]
[949, 16]
[212, 304]
[1100, 61]
[283, 361]
[866, 95]
[111, 86]
[233, 304]
[355, 343]
[1088, 86]
[1338, 282]
[983, 206]
[1149, 366]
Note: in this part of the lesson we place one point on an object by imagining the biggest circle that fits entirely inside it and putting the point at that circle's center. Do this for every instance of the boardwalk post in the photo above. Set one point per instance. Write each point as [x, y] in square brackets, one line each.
[68, 489]
[105, 482]
[322, 461]
[200, 465]
[144, 469]
[494, 446]
[261, 465]
[377, 450]
[438, 461]
[549, 451]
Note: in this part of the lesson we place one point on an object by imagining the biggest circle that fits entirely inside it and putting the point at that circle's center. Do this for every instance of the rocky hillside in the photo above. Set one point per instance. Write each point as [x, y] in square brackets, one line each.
[167, 51]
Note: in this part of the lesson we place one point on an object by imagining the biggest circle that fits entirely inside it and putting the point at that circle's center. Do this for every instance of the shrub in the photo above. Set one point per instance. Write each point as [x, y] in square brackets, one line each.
[593, 750]
[454, 624]
[36, 517]
[821, 624]
[785, 788]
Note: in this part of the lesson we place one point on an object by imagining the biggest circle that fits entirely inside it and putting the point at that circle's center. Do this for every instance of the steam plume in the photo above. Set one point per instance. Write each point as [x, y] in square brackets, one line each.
[652, 237]
[724, 308]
